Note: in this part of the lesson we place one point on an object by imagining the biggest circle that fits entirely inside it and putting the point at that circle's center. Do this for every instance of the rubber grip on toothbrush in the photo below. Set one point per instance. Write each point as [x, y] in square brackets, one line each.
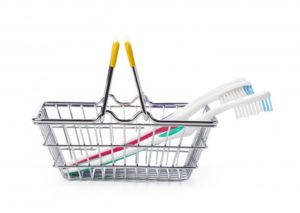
[129, 53]
[114, 53]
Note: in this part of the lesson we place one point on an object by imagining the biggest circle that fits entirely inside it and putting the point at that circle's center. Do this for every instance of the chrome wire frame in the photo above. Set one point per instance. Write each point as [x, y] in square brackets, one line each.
[73, 130]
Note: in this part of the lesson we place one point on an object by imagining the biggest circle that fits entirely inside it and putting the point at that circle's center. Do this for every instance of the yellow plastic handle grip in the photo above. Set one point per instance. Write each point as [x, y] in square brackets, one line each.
[129, 53]
[114, 53]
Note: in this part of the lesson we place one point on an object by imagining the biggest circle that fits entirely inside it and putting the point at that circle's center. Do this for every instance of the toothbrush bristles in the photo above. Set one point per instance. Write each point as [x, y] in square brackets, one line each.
[236, 94]
[254, 108]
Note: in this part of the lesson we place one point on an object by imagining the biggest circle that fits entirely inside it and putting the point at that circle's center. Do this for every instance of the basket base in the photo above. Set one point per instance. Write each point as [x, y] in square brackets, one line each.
[158, 174]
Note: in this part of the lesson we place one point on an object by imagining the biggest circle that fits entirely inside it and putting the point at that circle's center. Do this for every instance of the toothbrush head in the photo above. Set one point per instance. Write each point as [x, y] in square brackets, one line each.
[235, 93]
[261, 104]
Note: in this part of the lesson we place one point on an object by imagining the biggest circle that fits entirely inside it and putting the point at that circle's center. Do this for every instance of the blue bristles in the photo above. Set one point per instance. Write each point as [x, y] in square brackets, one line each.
[248, 90]
[264, 105]
[237, 93]
[258, 105]
[267, 104]
[270, 104]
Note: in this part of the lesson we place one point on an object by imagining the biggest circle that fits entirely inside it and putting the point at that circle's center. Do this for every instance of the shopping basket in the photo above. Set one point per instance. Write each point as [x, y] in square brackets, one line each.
[76, 130]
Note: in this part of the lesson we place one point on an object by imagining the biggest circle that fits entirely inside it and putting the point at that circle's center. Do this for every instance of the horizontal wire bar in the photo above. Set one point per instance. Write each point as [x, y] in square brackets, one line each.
[126, 166]
[212, 123]
[128, 146]
[181, 151]
[96, 121]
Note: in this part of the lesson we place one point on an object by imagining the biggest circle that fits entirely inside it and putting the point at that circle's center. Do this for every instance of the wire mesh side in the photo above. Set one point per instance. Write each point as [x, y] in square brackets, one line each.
[173, 158]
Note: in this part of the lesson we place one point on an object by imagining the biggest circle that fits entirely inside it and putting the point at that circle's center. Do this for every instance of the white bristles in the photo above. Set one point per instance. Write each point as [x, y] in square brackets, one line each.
[253, 108]
[251, 104]
[232, 95]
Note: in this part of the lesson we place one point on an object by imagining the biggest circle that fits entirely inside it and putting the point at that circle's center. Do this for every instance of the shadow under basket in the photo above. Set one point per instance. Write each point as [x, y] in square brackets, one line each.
[75, 131]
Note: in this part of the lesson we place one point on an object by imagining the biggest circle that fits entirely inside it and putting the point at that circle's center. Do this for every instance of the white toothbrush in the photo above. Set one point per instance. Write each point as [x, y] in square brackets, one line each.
[226, 92]
[250, 105]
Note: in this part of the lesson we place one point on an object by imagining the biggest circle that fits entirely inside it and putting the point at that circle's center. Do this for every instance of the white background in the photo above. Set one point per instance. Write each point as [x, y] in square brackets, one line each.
[59, 50]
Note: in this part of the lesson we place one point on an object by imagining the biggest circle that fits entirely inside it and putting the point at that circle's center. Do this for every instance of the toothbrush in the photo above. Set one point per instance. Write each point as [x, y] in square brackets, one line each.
[244, 107]
[159, 135]
[224, 93]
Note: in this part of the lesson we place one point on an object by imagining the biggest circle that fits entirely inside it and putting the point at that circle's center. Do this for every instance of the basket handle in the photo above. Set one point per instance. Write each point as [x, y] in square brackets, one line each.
[112, 64]
[129, 52]
[131, 61]
[114, 53]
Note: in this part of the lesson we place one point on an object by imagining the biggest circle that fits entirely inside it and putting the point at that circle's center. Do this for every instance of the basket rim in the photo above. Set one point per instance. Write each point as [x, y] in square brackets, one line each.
[99, 121]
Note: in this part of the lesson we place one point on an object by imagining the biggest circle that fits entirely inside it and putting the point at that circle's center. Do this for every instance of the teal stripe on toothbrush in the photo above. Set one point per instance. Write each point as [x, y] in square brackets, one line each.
[172, 131]
[75, 173]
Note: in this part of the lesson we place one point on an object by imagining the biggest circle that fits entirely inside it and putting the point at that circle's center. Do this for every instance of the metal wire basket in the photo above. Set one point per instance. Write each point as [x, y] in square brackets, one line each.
[77, 130]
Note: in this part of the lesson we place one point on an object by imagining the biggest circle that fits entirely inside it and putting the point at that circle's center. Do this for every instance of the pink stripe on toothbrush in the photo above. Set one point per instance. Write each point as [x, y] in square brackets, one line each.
[117, 149]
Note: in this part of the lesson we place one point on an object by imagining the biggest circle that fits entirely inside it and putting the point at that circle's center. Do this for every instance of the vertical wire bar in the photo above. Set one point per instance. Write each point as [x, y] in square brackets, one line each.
[111, 140]
[151, 149]
[53, 140]
[70, 148]
[112, 129]
[136, 119]
[64, 130]
[164, 147]
[124, 138]
[168, 151]
[114, 173]
[168, 173]
[176, 157]
[169, 143]
[85, 150]
[93, 173]
[75, 128]
[178, 172]
[97, 139]
[84, 146]
[156, 157]
[191, 151]
[69, 142]
[99, 151]
[137, 153]
[68, 174]
[87, 129]
[146, 150]
[138, 144]
[89, 137]
[103, 173]
[99, 129]
[101, 142]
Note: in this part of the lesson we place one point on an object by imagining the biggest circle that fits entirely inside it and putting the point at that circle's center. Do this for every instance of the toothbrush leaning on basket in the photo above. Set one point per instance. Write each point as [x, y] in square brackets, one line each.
[243, 107]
